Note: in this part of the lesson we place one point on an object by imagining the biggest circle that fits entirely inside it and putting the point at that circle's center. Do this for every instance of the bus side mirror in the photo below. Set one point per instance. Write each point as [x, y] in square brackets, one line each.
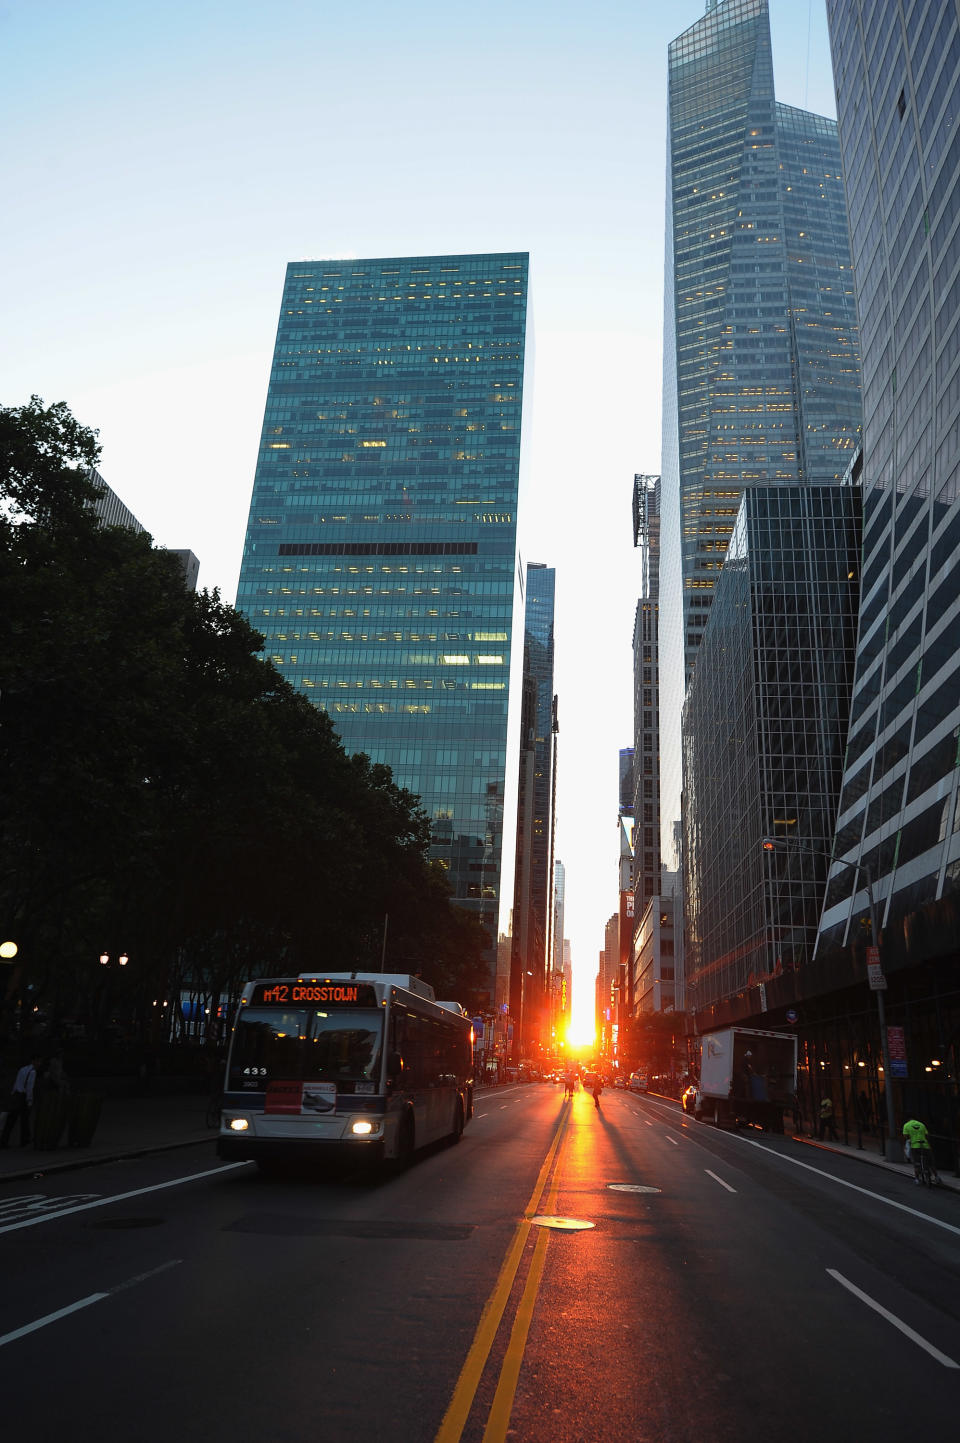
[394, 1065]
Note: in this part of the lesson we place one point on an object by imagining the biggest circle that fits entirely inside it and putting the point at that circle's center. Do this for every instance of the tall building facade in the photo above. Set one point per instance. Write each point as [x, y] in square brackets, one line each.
[646, 695]
[531, 984]
[897, 74]
[765, 726]
[559, 911]
[381, 553]
[558, 978]
[538, 657]
[761, 361]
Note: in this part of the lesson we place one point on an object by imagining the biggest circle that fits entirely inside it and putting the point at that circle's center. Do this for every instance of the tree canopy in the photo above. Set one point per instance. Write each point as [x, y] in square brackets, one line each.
[163, 789]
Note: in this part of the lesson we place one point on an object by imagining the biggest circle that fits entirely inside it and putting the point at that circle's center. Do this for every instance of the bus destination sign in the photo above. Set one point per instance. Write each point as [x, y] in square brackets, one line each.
[325, 994]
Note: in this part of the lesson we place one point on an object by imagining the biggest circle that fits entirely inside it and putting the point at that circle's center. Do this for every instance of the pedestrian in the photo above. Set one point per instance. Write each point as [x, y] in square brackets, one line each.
[569, 1083]
[918, 1141]
[596, 1089]
[826, 1119]
[21, 1103]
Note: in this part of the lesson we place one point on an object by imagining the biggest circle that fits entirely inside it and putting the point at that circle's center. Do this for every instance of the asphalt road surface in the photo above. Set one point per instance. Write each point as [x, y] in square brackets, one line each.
[723, 1287]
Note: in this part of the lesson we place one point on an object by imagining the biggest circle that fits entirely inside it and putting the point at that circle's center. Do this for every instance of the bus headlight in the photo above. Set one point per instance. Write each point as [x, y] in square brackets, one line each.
[361, 1128]
[239, 1124]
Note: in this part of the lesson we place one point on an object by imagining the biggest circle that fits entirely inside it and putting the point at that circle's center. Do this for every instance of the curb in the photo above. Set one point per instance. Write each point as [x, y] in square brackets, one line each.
[74, 1165]
[902, 1170]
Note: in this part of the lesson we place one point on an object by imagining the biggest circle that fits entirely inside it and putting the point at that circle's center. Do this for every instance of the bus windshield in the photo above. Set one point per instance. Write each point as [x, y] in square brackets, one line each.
[300, 1043]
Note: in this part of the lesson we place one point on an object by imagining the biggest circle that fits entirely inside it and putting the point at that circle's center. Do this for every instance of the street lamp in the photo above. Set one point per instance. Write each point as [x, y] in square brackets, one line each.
[877, 980]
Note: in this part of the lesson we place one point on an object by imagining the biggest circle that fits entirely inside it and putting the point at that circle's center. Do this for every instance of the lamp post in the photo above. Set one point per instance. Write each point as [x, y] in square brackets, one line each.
[877, 980]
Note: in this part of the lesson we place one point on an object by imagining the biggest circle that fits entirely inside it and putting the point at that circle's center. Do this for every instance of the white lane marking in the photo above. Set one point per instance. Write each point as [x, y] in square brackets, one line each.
[142, 1277]
[33, 1204]
[121, 1197]
[83, 1303]
[51, 1318]
[719, 1180]
[842, 1182]
[648, 1122]
[673, 1140]
[503, 1107]
[892, 1318]
[481, 1114]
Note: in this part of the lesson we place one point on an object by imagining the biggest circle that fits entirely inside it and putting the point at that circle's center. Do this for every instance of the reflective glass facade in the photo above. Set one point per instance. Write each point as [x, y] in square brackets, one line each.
[764, 729]
[538, 665]
[646, 701]
[897, 73]
[380, 559]
[761, 361]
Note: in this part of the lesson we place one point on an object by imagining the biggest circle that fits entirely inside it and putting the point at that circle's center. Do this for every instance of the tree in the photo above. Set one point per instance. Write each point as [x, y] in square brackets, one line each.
[163, 789]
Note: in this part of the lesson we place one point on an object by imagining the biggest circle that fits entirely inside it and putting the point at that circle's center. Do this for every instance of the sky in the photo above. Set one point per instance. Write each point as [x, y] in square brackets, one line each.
[163, 163]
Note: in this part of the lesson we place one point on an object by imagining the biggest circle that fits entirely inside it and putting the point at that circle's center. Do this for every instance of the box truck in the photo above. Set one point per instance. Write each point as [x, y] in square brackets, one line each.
[747, 1075]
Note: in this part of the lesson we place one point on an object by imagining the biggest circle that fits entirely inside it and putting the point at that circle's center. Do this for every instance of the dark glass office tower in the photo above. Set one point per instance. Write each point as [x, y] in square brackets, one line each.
[897, 74]
[538, 664]
[764, 730]
[380, 559]
[531, 981]
[761, 368]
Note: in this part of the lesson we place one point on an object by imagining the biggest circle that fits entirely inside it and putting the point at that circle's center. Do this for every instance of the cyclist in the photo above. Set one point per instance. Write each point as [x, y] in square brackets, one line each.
[921, 1153]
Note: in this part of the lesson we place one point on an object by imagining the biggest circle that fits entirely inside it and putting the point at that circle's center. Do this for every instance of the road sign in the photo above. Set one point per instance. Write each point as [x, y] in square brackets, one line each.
[897, 1048]
[875, 977]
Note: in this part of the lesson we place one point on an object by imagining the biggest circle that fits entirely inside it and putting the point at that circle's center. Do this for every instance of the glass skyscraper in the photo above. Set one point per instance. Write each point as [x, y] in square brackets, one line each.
[764, 729]
[761, 363]
[380, 559]
[646, 696]
[530, 994]
[897, 73]
[538, 664]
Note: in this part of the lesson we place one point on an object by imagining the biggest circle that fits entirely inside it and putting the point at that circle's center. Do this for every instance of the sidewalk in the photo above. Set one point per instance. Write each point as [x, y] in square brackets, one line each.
[128, 1127]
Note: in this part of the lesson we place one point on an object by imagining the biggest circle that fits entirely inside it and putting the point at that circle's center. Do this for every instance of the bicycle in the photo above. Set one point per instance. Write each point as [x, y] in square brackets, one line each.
[923, 1169]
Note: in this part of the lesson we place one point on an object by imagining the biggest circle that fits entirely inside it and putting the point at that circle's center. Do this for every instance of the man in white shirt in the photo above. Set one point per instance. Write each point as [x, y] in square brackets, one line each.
[21, 1103]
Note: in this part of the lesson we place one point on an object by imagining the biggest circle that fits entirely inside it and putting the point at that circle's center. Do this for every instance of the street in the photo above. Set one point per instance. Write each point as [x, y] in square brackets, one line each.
[729, 1286]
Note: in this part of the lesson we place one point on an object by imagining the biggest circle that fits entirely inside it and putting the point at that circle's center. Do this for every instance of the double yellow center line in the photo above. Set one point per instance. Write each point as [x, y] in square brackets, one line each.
[456, 1416]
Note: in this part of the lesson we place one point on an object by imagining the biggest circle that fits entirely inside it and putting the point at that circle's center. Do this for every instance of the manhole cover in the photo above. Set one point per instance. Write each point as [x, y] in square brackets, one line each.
[119, 1223]
[569, 1225]
[631, 1187]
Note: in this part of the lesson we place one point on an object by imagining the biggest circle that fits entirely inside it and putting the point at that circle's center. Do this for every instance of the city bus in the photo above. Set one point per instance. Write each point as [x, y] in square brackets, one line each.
[365, 1066]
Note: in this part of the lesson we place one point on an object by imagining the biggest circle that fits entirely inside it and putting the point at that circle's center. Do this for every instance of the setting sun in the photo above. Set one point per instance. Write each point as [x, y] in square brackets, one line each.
[581, 1032]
